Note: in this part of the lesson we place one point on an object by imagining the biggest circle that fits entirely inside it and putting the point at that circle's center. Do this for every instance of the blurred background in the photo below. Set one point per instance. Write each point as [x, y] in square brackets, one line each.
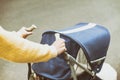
[55, 15]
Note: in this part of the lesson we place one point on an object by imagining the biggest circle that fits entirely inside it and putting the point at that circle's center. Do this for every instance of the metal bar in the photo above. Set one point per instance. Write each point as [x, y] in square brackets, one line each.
[71, 59]
[98, 60]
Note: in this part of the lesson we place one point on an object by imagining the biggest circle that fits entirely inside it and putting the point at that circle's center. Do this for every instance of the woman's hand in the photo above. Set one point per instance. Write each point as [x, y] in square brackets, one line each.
[59, 44]
[25, 32]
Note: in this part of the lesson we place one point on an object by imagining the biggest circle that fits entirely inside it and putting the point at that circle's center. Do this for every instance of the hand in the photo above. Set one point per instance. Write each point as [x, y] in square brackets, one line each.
[59, 44]
[25, 32]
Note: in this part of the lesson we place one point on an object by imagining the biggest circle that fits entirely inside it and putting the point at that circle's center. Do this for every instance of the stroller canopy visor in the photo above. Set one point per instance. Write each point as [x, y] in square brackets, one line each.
[93, 39]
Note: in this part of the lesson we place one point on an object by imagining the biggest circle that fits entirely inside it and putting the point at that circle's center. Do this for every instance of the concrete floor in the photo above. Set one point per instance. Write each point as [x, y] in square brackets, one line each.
[58, 14]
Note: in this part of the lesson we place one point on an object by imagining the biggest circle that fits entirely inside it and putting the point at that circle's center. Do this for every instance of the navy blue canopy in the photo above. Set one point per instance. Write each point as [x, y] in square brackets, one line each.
[93, 39]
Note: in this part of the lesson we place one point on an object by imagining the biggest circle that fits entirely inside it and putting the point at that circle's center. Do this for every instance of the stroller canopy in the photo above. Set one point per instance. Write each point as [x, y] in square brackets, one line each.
[93, 39]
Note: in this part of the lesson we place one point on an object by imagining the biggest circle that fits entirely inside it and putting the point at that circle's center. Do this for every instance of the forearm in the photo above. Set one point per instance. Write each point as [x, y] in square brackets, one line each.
[20, 50]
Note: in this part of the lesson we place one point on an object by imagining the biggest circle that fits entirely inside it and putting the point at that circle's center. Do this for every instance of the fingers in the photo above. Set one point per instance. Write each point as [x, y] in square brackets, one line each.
[29, 29]
[59, 44]
[25, 32]
[62, 48]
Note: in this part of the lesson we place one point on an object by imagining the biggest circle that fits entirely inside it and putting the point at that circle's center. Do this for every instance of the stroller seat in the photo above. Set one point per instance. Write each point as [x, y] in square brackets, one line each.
[93, 39]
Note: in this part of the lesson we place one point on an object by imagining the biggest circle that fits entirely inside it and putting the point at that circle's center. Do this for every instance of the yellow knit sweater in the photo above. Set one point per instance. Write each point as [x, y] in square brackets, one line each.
[17, 49]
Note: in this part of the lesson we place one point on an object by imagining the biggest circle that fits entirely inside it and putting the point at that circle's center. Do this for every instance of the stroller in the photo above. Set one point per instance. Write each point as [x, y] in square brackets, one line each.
[92, 39]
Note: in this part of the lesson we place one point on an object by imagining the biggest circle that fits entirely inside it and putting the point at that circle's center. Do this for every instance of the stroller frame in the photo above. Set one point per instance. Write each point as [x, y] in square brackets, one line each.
[71, 61]
[94, 60]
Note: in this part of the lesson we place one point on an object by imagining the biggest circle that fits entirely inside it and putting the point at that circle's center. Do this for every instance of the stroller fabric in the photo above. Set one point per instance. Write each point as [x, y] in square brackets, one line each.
[93, 39]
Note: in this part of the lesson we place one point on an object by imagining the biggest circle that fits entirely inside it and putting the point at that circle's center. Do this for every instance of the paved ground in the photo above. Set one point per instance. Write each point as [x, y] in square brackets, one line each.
[58, 14]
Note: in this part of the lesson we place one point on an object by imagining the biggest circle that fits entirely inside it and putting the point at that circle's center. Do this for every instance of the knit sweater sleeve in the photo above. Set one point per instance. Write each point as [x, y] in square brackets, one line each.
[17, 49]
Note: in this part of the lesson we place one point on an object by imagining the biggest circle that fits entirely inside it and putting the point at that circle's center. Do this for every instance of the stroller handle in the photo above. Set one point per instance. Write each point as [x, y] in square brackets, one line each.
[57, 36]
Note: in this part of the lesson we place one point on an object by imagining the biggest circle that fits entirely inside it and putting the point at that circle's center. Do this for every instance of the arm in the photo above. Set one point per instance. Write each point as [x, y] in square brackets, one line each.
[17, 49]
